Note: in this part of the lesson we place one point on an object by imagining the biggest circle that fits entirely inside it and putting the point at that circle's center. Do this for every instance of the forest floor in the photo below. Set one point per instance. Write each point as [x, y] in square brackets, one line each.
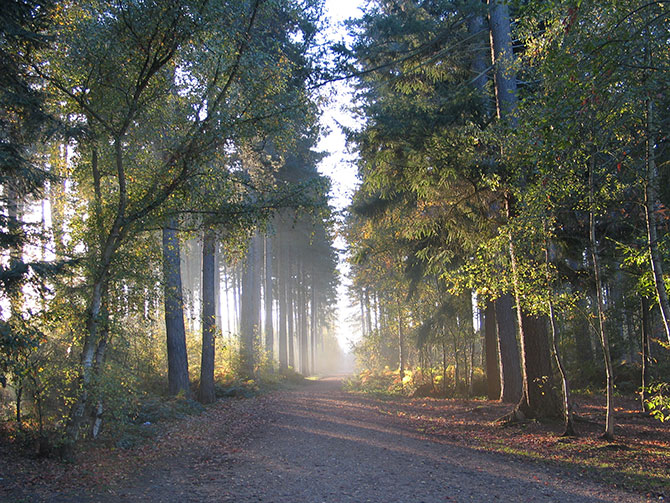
[318, 444]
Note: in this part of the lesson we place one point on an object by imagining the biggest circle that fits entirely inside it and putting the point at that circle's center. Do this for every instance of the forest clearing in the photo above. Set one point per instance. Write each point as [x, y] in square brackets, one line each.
[461, 205]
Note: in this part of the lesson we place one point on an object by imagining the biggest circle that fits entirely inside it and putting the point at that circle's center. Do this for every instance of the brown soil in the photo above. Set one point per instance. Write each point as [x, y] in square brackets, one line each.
[319, 444]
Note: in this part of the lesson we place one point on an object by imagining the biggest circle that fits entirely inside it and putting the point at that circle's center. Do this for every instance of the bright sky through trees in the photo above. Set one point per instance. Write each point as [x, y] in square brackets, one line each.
[339, 165]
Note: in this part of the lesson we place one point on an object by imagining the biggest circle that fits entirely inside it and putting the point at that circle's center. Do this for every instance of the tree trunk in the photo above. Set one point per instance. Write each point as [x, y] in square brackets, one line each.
[283, 307]
[178, 378]
[538, 398]
[269, 332]
[604, 342]
[491, 352]
[250, 310]
[401, 345]
[502, 55]
[302, 312]
[511, 382]
[217, 288]
[568, 411]
[290, 312]
[313, 324]
[206, 389]
[362, 306]
[368, 314]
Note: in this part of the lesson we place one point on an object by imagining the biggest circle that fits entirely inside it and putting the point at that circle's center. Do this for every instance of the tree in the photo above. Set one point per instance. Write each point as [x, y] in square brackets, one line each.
[207, 95]
[178, 377]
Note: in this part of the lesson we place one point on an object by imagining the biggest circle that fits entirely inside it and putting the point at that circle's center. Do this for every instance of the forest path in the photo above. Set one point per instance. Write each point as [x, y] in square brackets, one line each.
[320, 444]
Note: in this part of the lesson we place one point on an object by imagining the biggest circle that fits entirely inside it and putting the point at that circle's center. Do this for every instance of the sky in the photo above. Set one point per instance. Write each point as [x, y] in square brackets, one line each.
[339, 164]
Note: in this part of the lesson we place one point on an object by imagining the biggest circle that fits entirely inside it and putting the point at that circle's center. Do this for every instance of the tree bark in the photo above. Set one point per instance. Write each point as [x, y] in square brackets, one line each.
[302, 312]
[511, 381]
[250, 309]
[568, 411]
[604, 342]
[491, 351]
[269, 331]
[206, 390]
[283, 308]
[502, 55]
[313, 324]
[178, 378]
[290, 311]
[401, 343]
[538, 398]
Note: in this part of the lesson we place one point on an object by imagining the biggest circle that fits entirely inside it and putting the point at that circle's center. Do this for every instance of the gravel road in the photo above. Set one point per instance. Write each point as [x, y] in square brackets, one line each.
[319, 444]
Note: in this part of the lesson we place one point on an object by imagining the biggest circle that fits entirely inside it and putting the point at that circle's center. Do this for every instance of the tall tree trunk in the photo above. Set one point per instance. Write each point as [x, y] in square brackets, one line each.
[206, 389]
[313, 325]
[269, 332]
[537, 399]
[250, 309]
[362, 306]
[401, 343]
[511, 382]
[178, 379]
[491, 351]
[604, 342]
[368, 315]
[282, 280]
[217, 288]
[502, 55]
[303, 311]
[290, 312]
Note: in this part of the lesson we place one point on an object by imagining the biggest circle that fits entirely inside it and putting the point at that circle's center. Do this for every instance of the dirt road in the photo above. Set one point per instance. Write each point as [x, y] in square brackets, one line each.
[319, 444]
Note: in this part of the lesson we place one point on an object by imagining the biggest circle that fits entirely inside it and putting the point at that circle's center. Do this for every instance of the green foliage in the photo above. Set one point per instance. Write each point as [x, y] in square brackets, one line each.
[658, 401]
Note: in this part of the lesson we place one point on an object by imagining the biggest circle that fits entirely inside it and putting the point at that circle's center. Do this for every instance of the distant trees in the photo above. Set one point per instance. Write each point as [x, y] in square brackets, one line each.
[543, 208]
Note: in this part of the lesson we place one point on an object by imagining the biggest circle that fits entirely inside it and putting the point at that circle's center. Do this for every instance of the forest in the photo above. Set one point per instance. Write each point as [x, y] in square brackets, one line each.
[168, 241]
[163, 218]
[509, 235]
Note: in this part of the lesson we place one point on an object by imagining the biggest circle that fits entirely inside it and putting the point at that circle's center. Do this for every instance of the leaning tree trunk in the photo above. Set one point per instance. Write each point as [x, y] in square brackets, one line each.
[94, 340]
[178, 379]
[206, 390]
